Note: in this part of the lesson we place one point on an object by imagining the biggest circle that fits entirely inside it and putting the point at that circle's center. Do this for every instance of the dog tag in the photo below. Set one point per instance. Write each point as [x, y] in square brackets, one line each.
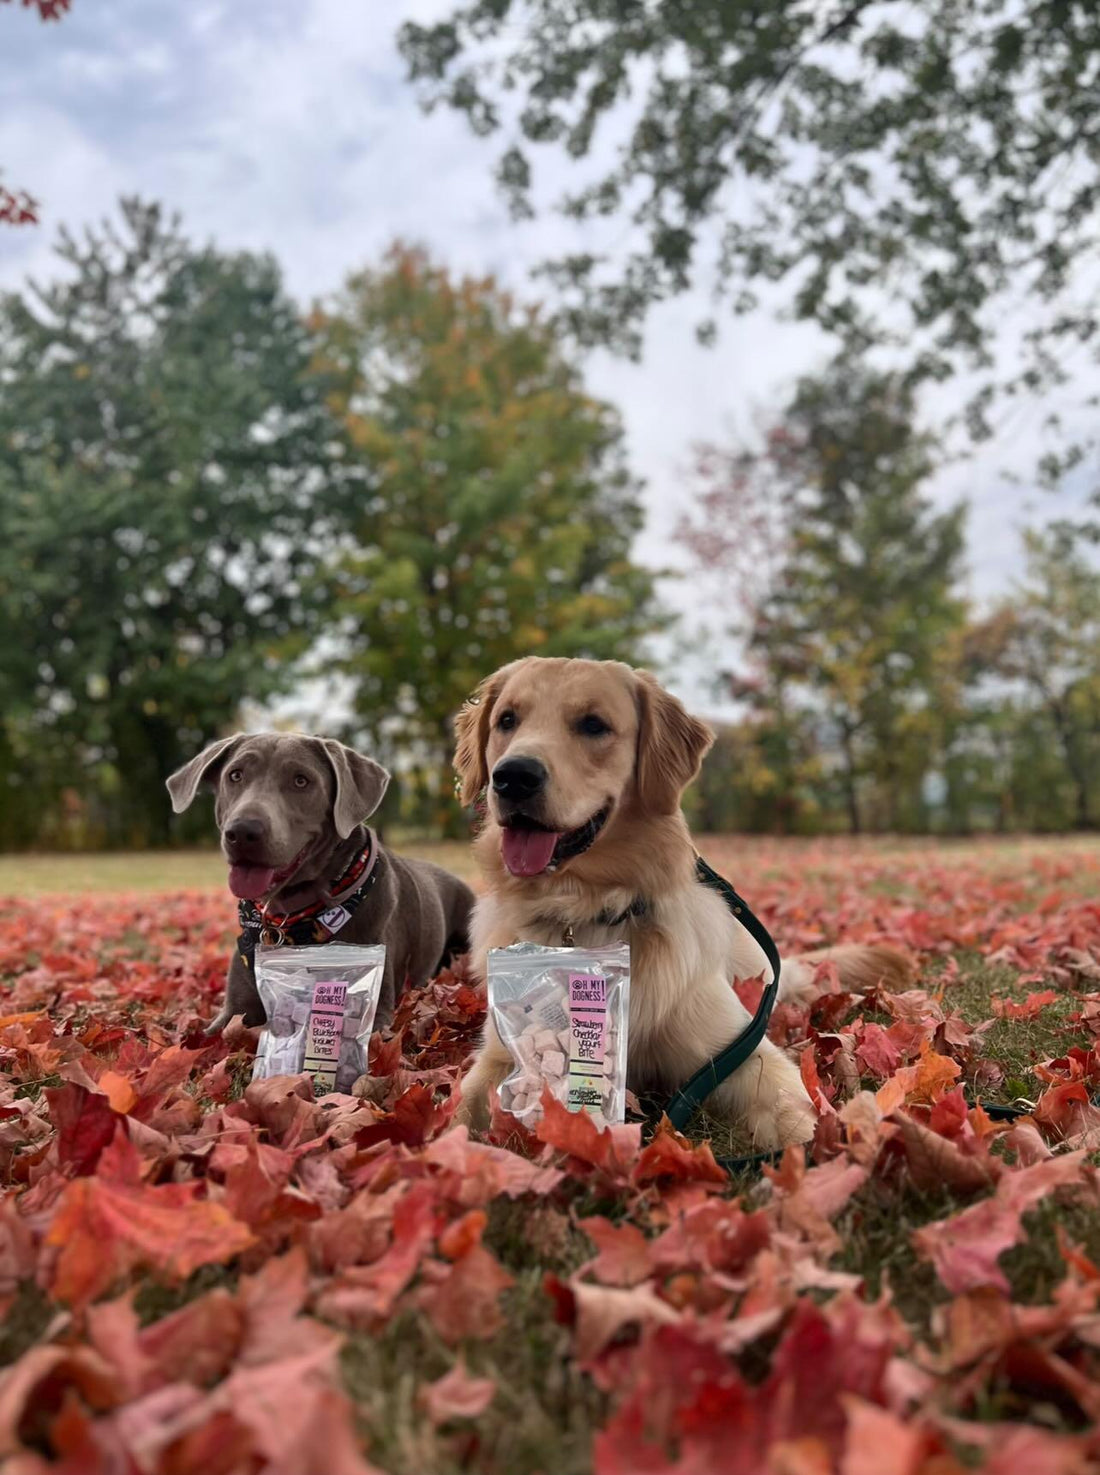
[334, 918]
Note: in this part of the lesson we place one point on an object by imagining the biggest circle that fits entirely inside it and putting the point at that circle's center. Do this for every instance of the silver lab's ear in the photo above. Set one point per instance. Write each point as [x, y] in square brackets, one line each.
[360, 784]
[184, 783]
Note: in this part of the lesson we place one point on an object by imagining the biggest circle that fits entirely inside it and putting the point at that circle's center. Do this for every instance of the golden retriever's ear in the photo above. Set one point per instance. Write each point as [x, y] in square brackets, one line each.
[671, 746]
[472, 735]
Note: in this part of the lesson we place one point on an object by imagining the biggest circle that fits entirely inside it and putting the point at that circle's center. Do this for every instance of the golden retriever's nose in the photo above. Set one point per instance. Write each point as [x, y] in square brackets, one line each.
[519, 778]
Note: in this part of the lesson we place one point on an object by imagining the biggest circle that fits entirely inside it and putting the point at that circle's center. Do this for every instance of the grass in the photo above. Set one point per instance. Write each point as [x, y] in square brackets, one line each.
[544, 1410]
[1017, 1045]
[34, 874]
[758, 857]
[541, 1418]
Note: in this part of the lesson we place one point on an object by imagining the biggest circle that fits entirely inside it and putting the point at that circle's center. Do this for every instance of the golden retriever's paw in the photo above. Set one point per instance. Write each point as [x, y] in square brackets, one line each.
[465, 1116]
[794, 1122]
[779, 1112]
[472, 1111]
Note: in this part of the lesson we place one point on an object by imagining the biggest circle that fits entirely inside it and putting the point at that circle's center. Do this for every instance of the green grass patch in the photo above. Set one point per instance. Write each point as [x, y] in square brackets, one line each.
[541, 1418]
[25, 1322]
[165, 870]
[1016, 1045]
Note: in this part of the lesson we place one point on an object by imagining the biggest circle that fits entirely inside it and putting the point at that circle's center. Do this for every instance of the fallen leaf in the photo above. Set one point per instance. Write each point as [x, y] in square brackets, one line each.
[464, 1300]
[625, 1255]
[457, 1395]
[966, 1247]
[104, 1229]
[600, 1314]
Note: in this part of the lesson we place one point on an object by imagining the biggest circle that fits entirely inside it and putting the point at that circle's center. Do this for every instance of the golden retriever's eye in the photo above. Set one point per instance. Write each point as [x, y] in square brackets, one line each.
[507, 720]
[301, 781]
[592, 726]
[234, 775]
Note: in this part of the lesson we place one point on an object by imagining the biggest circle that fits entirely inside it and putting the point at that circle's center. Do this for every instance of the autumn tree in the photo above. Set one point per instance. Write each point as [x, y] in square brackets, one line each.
[162, 455]
[846, 578]
[1050, 644]
[495, 513]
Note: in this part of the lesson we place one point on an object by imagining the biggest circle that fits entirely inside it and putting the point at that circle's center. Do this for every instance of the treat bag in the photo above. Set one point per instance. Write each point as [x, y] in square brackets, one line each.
[320, 1003]
[562, 1013]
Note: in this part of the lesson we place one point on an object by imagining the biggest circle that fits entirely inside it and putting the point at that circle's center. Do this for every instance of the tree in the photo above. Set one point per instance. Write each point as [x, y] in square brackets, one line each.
[496, 512]
[16, 205]
[762, 775]
[900, 168]
[1051, 643]
[162, 499]
[848, 579]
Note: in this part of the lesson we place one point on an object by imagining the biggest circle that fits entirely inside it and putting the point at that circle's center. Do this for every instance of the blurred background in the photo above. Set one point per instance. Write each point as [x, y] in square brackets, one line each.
[349, 352]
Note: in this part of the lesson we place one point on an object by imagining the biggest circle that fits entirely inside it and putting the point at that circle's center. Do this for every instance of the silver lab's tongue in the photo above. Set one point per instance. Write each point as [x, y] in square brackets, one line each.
[251, 882]
[527, 852]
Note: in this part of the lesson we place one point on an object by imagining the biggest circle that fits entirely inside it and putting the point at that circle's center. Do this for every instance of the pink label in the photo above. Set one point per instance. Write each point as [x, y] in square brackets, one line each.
[325, 1032]
[587, 1040]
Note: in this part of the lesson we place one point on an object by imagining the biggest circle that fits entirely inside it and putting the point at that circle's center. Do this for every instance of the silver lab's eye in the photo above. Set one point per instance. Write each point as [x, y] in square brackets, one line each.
[235, 775]
[301, 781]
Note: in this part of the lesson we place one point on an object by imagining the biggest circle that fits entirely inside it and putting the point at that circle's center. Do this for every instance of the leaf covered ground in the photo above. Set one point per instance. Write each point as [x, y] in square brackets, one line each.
[198, 1274]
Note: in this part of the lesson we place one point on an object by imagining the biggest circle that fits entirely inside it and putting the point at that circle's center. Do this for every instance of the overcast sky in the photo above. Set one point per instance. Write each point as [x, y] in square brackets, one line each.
[286, 125]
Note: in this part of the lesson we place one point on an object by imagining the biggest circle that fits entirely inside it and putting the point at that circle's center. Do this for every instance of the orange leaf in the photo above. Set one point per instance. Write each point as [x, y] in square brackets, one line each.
[118, 1091]
[104, 1229]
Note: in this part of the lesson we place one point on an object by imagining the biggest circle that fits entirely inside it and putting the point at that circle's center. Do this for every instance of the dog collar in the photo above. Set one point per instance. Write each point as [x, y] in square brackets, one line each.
[313, 924]
[639, 907]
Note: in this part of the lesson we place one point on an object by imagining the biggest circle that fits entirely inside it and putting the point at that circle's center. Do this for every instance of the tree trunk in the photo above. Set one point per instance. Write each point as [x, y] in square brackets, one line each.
[1075, 769]
[451, 819]
[850, 793]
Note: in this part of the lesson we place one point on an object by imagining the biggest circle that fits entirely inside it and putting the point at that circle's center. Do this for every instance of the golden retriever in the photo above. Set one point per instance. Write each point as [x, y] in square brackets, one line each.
[585, 763]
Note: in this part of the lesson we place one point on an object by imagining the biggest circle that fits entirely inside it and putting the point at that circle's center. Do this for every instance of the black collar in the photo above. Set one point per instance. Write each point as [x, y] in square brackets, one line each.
[637, 908]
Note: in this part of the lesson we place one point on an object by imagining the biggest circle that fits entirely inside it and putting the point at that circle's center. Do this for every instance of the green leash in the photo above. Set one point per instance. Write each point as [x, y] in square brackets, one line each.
[687, 1100]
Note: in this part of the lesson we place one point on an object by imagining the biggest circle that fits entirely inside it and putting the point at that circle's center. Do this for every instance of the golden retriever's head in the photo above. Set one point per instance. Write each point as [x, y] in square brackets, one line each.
[566, 746]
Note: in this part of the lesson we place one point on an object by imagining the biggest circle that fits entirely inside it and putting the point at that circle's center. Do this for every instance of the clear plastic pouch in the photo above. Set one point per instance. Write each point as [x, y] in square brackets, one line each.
[320, 1003]
[562, 1013]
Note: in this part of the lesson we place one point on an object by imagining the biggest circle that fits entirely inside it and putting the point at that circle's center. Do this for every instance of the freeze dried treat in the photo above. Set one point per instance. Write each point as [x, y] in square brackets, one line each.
[562, 1012]
[320, 1003]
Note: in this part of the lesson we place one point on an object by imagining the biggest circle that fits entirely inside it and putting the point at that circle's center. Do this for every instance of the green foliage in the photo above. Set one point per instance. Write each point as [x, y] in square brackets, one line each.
[495, 511]
[1046, 643]
[853, 629]
[874, 698]
[762, 775]
[161, 463]
[900, 169]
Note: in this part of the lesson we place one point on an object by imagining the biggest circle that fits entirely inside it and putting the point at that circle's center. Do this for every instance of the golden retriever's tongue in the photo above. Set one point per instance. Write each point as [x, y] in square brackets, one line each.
[527, 852]
[251, 882]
